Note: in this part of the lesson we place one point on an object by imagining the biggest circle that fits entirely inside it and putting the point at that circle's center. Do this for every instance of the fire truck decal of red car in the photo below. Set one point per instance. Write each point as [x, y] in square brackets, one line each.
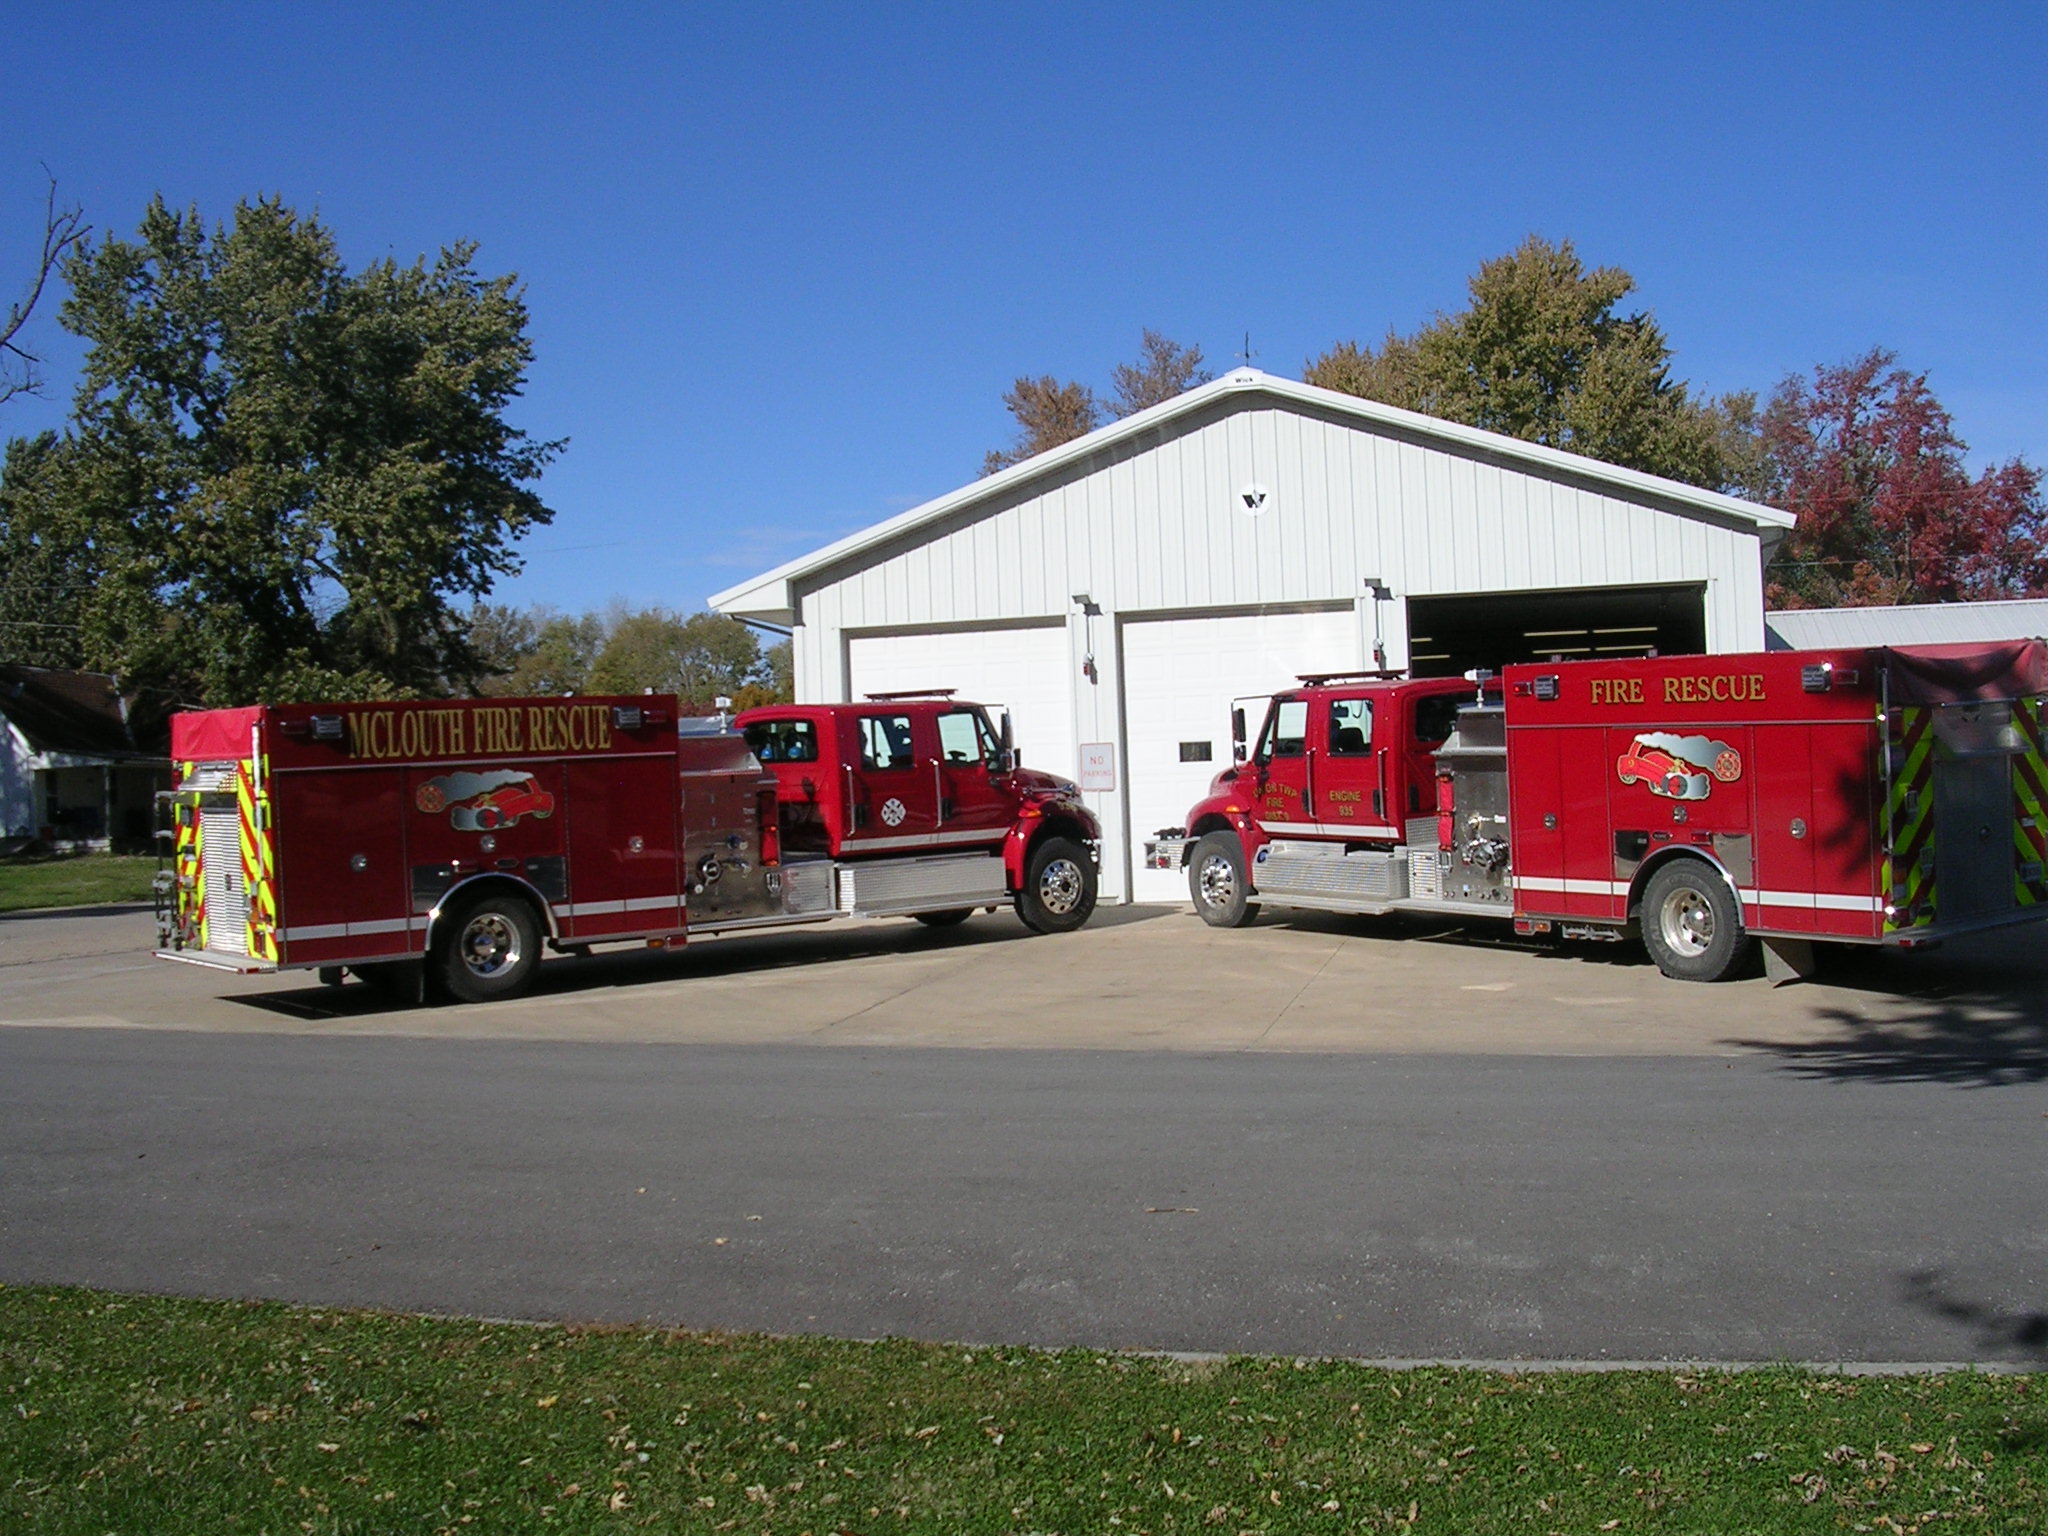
[1679, 767]
[485, 802]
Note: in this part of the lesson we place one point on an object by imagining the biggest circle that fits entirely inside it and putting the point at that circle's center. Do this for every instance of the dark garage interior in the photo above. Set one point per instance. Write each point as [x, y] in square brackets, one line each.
[1449, 636]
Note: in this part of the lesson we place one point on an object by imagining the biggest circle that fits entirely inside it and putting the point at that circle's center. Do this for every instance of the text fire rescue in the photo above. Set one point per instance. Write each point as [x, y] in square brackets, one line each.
[478, 731]
[1723, 688]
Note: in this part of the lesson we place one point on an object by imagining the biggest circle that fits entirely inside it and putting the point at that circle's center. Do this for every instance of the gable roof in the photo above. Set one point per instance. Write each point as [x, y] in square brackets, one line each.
[771, 596]
[63, 711]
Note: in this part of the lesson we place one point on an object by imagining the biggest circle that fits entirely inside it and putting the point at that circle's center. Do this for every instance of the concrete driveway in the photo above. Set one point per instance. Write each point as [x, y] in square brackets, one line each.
[1138, 978]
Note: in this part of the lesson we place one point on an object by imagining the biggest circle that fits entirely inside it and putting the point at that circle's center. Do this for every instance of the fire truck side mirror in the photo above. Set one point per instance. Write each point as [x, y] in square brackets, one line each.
[1237, 734]
[1006, 759]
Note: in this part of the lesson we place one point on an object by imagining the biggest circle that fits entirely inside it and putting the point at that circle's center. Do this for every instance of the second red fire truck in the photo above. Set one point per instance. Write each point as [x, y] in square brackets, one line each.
[1878, 796]
[449, 842]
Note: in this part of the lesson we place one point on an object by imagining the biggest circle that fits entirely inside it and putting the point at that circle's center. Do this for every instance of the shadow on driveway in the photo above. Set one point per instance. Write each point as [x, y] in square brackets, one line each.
[787, 949]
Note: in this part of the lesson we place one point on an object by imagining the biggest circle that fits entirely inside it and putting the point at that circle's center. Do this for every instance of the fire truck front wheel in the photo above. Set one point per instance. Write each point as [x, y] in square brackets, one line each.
[491, 950]
[1059, 887]
[1691, 924]
[1219, 882]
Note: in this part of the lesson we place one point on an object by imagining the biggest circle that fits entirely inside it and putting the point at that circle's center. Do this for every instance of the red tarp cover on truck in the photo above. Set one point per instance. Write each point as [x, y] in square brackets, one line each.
[1947, 674]
[213, 735]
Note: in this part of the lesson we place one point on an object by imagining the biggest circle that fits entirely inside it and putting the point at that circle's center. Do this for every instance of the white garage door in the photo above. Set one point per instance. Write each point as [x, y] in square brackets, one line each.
[1025, 669]
[1180, 676]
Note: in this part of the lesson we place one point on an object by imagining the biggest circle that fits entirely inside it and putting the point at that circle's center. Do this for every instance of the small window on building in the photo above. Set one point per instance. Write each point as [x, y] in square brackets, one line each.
[1195, 751]
[884, 742]
[783, 741]
[1350, 727]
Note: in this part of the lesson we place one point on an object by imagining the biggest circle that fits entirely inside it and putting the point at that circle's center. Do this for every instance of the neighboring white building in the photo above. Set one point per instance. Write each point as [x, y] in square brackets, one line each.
[1119, 591]
[71, 772]
[1805, 629]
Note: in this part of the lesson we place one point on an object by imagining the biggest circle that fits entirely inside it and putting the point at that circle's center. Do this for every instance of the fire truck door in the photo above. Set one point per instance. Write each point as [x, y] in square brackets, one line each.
[892, 799]
[1280, 770]
[1349, 788]
[969, 798]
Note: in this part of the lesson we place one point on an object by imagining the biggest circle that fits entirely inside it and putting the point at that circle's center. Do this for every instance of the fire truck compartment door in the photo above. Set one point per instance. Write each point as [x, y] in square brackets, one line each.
[623, 872]
[1973, 836]
[342, 885]
[1561, 842]
[1785, 771]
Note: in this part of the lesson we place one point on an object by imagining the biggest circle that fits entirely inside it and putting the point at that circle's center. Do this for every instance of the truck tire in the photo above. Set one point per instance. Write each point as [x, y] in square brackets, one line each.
[951, 918]
[1059, 887]
[1691, 923]
[1219, 881]
[491, 950]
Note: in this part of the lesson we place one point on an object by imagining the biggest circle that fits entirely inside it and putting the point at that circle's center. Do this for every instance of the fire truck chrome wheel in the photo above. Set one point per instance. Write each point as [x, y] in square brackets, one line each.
[492, 949]
[1219, 883]
[1058, 895]
[1691, 924]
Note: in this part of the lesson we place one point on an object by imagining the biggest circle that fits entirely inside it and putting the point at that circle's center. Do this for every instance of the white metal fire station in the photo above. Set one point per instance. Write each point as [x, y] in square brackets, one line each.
[1117, 592]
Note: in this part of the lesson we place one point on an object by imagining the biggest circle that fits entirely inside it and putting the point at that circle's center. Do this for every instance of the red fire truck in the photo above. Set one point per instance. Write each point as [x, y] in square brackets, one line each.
[447, 842]
[1888, 796]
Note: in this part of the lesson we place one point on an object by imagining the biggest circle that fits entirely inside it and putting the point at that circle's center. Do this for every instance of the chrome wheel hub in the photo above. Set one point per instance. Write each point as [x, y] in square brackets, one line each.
[1060, 886]
[1218, 880]
[1687, 921]
[489, 945]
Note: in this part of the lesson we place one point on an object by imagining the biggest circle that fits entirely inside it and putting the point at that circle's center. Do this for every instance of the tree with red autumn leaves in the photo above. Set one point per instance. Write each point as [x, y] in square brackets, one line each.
[1869, 461]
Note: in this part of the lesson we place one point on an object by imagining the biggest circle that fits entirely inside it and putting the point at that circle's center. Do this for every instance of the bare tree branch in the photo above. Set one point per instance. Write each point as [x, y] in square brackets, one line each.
[62, 229]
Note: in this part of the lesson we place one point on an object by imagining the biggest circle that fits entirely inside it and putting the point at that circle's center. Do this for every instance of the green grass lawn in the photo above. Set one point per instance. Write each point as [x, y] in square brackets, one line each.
[76, 880]
[130, 1414]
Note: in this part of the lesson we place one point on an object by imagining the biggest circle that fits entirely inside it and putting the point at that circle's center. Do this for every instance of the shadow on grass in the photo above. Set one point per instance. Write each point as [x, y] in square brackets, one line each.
[788, 949]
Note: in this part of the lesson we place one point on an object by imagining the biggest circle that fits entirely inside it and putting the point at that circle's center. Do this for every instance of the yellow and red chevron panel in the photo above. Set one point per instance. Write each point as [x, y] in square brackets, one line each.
[189, 869]
[259, 859]
[1910, 895]
[2029, 807]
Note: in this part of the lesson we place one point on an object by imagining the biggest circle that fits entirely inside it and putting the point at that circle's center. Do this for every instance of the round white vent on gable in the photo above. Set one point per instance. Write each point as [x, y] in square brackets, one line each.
[1252, 499]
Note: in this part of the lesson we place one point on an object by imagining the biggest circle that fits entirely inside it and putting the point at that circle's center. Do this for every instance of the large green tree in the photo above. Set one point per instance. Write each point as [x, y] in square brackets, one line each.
[1545, 353]
[282, 474]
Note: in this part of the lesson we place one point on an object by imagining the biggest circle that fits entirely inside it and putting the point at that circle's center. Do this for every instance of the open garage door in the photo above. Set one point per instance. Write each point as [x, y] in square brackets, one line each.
[1180, 676]
[1449, 636]
[1025, 669]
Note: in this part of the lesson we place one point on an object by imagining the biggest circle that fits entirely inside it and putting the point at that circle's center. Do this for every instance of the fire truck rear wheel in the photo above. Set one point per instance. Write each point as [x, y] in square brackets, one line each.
[1219, 882]
[492, 948]
[1691, 924]
[1059, 887]
[951, 918]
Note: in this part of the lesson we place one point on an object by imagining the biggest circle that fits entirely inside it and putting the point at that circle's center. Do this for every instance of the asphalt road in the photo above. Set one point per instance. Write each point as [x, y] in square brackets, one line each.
[1316, 1138]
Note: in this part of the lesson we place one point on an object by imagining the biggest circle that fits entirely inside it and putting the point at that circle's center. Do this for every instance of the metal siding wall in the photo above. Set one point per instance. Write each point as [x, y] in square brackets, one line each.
[1157, 526]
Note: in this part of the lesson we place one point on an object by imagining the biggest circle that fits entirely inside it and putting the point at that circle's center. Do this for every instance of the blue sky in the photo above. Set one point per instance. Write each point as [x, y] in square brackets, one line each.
[782, 262]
